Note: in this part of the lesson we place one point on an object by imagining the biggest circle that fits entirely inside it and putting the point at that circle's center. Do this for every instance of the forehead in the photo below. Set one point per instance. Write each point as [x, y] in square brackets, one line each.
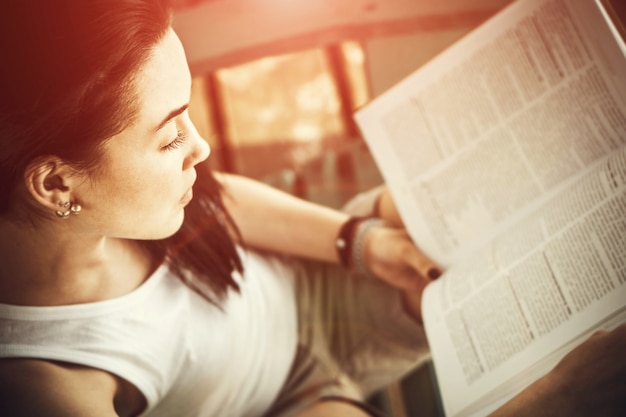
[164, 81]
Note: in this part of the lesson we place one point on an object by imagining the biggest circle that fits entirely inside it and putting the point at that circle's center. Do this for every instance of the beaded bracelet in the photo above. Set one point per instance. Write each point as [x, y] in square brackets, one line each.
[350, 243]
[358, 246]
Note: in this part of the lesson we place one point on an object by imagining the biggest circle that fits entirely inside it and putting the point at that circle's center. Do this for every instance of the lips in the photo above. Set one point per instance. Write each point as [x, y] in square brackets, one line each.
[185, 199]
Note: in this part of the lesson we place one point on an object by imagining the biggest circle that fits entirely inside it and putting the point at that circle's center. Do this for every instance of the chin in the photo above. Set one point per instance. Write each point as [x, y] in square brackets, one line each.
[175, 225]
[167, 229]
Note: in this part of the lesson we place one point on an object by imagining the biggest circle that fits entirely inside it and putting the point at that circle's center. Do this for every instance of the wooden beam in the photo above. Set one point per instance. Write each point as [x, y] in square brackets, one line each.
[228, 32]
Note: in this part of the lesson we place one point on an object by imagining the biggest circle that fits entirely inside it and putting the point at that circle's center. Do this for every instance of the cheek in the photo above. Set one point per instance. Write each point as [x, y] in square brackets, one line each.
[140, 202]
[144, 188]
[153, 187]
[116, 186]
[146, 182]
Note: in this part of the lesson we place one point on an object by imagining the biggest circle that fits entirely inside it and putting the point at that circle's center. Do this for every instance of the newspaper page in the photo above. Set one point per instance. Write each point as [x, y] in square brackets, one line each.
[505, 156]
[482, 135]
[497, 322]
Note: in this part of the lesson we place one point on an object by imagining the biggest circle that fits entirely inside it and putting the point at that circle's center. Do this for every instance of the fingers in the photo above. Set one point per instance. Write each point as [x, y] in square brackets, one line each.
[393, 257]
[386, 209]
[618, 333]
[599, 333]
[616, 336]
[424, 266]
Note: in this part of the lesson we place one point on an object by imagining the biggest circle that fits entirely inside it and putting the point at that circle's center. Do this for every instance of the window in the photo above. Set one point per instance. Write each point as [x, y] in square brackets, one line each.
[280, 112]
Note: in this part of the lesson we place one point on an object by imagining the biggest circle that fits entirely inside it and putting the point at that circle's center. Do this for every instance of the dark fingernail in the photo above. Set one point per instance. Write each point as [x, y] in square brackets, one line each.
[434, 273]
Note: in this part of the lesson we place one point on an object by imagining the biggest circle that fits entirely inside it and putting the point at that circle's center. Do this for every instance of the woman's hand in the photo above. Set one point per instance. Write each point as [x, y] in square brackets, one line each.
[592, 377]
[589, 381]
[386, 209]
[391, 255]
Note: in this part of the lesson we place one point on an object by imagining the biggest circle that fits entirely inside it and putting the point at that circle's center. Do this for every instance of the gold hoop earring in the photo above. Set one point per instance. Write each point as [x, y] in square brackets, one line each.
[70, 208]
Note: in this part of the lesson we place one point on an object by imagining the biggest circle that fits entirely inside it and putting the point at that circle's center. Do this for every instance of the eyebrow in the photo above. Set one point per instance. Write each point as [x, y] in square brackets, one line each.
[170, 116]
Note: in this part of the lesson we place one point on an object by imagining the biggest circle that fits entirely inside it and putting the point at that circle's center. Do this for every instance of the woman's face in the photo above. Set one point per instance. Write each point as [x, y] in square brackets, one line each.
[145, 177]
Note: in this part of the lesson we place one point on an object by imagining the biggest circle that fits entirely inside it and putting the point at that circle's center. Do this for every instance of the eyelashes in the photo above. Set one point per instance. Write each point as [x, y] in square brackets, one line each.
[178, 141]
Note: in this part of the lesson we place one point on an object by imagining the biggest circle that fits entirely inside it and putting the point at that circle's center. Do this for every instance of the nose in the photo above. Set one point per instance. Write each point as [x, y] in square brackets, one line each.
[199, 149]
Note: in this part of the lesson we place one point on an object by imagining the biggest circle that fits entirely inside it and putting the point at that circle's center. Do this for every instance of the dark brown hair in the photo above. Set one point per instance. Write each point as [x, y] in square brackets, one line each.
[67, 85]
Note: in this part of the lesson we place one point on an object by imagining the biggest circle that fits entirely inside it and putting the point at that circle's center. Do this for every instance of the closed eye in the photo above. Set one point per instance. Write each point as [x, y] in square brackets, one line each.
[176, 143]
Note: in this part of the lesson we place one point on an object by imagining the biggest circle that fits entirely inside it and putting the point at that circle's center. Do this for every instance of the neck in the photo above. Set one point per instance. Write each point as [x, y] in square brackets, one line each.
[51, 264]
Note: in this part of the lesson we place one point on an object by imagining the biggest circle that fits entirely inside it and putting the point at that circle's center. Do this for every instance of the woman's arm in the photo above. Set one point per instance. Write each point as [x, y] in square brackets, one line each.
[272, 220]
[40, 388]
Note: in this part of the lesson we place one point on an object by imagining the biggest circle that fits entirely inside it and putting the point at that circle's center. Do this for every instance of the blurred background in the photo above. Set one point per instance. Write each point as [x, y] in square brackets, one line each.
[276, 81]
[275, 85]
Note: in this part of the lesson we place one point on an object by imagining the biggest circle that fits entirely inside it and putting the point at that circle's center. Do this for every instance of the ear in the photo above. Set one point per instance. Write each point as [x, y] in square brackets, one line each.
[49, 179]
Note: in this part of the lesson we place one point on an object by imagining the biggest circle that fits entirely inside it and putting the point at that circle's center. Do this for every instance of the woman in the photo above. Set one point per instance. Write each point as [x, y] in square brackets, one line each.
[123, 288]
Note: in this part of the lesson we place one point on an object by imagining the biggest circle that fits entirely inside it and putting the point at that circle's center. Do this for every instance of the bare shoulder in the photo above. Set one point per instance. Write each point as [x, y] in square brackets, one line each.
[30, 387]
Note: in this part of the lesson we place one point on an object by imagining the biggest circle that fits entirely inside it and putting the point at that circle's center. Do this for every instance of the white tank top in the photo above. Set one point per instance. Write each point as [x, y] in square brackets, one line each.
[186, 356]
